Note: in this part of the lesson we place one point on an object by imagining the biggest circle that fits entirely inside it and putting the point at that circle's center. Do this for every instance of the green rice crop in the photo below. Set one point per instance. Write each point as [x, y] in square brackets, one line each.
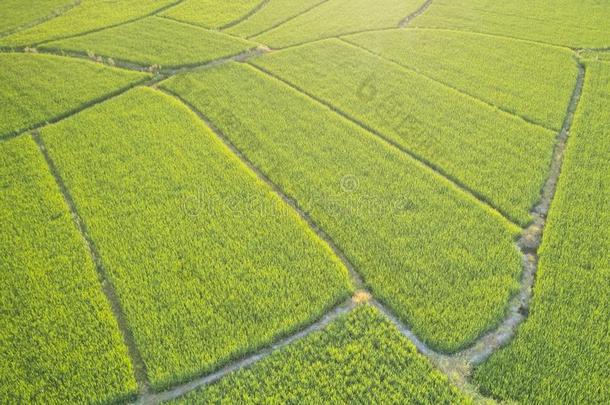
[595, 56]
[272, 14]
[573, 23]
[211, 13]
[58, 338]
[499, 156]
[207, 261]
[17, 13]
[88, 16]
[37, 88]
[337, 17]
[444, 262]
[157, 41]
[525, 78]
[562, 352]
[359, 358]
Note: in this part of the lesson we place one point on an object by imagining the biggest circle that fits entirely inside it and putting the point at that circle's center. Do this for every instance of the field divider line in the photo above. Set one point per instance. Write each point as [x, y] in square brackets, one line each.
[355, 277]
[423, 163]
[166, 8]
[244, 17]
[462, 92]
[274, 26]
[178, 391]
[106, 285]
[422, 9]
[91, 103]
[82, 34]
[56, 13]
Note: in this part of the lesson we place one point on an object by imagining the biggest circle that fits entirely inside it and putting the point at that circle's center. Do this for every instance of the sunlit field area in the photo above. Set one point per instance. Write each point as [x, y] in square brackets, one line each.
[304, 201]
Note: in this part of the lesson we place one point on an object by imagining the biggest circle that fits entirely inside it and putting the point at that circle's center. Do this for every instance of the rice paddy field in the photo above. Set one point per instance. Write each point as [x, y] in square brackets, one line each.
[304, 201]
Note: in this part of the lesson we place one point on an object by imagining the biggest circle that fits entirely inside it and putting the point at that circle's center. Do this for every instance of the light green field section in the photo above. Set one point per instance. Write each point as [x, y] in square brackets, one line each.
[157, 41]
[532, 80]
[90, 15]
[359, 358]
[498, 156]
[38, 88]
[58, 338]
[442, 261]
[18, 13]
[208, 262]
[337, 17]
[562, 352]
[573, 23]
[211, 13]
[271, 15]
[593, 56]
